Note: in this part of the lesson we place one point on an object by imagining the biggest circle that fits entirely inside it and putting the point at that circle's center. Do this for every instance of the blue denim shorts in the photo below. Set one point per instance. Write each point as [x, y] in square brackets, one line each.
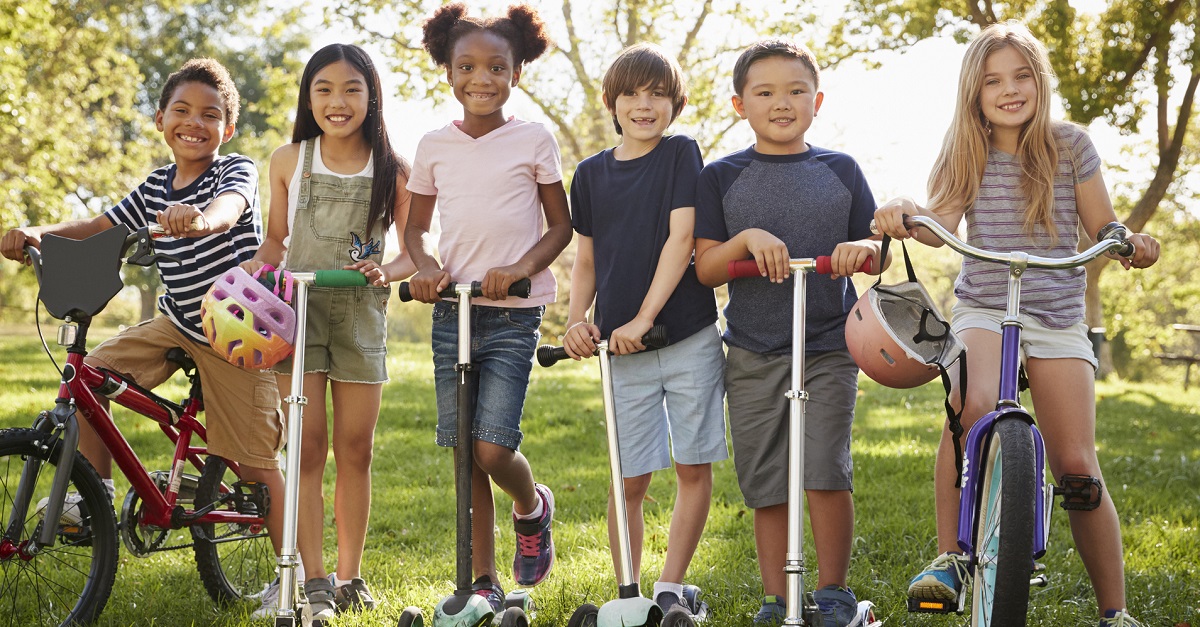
[503, 341]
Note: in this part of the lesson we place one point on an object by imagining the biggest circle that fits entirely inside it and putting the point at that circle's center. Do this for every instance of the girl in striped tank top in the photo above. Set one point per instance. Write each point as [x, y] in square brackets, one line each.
[1023, 182]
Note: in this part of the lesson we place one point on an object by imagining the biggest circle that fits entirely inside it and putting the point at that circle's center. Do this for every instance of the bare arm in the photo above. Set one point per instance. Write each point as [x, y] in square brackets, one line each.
[581, 337]
[889, 220]
[12, 245]
[1095, 210]
[713, 257]
[430, 278]
[283, 166]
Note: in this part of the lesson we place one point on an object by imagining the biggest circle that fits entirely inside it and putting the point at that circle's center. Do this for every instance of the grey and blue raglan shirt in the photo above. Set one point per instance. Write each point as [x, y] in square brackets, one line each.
[812, 201]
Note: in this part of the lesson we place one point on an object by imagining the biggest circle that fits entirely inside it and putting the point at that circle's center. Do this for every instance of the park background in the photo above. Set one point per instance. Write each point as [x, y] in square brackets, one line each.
[80, 79]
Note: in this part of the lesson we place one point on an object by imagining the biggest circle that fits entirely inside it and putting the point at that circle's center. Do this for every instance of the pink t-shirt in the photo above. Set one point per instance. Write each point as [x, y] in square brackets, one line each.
[487, 199]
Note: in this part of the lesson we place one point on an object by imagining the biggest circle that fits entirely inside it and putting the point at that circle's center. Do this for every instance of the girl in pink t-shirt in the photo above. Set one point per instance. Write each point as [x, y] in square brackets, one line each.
[494, 180]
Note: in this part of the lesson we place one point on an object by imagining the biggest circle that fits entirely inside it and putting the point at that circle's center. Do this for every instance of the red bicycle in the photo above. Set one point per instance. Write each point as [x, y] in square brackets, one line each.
[59, 547]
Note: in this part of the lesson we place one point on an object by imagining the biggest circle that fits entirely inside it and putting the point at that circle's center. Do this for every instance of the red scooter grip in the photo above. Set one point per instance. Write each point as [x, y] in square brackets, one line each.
[749, 268]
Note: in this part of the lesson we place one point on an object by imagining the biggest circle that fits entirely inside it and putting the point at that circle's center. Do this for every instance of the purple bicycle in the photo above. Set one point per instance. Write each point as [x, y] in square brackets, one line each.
[1004, 515]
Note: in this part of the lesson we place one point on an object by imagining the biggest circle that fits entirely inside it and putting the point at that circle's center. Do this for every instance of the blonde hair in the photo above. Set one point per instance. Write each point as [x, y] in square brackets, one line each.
[954, 182]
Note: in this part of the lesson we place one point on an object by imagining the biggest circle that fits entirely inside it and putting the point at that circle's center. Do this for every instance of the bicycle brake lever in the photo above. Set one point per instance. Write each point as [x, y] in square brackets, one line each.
[142, 255]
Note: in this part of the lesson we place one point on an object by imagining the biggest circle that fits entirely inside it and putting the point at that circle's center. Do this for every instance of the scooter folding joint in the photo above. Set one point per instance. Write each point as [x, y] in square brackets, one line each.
[794, 395]
[299, 400]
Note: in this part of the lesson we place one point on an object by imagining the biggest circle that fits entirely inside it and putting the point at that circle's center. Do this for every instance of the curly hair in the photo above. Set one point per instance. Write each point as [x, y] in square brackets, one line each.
[522, 28]
[209, 72]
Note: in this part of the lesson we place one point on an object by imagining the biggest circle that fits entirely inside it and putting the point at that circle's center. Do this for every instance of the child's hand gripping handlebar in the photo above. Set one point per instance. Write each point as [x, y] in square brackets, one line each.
[748, 268]
[656, 337]
[520, 289]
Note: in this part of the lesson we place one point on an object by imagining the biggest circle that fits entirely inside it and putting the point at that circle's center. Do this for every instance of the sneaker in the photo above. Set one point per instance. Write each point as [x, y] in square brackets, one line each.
[773, 612]
[269, 599]
[838, 606]
[669, 601]
[942, 580]
[491, 591]
[319, 593]
[353, 596]
[535, 548]
[72, 511]
[1114, 618]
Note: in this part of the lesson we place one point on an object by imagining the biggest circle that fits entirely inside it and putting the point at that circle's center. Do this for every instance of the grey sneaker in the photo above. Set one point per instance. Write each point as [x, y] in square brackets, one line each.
[319, 592]
[269, 601]
[772, 613]
[353, 596]
[669, 601]
[72, 512]
[838, 606]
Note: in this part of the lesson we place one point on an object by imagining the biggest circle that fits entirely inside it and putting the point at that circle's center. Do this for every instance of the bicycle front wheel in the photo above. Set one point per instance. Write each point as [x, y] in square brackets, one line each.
[67, 583]
[236, 561]
[1004, 528]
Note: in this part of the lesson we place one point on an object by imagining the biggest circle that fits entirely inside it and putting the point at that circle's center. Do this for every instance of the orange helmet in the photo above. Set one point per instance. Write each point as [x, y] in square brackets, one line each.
[245, 322]
[898, 338]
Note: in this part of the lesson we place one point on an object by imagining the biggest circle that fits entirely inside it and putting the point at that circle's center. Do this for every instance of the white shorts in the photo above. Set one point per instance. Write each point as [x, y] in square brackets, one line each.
[1037, 340]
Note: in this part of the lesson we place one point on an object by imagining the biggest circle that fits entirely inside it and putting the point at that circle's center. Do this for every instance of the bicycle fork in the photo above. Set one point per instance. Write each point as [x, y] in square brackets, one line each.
[61, 431]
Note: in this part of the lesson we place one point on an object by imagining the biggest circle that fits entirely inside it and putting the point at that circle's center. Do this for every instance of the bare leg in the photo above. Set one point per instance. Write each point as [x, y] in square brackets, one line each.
[1066, 410]
[635, 495]
[355, 413]
[770, 539]
[692, 498]
[93, 448]
[831, 514]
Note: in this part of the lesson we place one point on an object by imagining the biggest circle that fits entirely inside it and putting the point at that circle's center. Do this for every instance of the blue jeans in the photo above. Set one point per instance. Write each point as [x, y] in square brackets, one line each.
[503, 341]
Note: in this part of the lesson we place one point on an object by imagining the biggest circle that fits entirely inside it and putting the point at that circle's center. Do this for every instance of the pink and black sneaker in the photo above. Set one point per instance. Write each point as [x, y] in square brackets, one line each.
[535, 548]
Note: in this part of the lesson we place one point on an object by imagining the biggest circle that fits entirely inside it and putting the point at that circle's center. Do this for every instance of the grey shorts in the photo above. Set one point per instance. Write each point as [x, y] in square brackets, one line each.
[346, 335]
[758, 420]
[669, 403]
[1037, 340]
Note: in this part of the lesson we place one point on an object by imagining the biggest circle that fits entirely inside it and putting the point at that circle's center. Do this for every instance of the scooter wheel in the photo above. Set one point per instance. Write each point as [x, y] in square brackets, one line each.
[514, 617]
[678, 617]
[521, 599]
[411, 617]
[585, 616]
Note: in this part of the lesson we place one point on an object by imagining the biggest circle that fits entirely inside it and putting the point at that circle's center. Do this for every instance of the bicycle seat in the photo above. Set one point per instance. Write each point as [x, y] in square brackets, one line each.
[178, 356]
[79, 277]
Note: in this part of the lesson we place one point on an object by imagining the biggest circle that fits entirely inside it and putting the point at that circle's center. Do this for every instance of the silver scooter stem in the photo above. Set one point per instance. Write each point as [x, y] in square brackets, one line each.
[624, 551]
[794, 564]
[295, 425]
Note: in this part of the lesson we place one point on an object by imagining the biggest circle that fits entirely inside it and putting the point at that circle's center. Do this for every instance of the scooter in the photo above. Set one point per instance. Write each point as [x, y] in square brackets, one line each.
[464, 608]
[630, 609]
[801, 608]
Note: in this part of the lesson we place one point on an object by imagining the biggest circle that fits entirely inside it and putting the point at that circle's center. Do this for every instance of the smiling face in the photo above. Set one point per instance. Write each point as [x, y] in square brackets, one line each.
[643, 113]
[1008, 97]
[482, 74]
[193, 124]
[780, 100]
[339, 99]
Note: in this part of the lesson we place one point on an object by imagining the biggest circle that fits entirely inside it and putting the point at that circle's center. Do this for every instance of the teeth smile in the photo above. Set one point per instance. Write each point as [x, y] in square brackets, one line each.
[338, 118]
[191, 138]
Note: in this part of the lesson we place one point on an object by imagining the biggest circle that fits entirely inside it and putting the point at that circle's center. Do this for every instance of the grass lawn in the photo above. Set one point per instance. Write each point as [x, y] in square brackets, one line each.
[1148, 435]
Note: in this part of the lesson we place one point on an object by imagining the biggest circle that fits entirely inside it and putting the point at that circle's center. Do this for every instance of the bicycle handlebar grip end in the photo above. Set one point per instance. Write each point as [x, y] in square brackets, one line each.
[549, 355]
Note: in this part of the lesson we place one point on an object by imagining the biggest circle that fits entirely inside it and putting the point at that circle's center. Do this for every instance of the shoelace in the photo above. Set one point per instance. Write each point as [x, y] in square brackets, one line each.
[958, 561]
[1122, 619]
[530, 546]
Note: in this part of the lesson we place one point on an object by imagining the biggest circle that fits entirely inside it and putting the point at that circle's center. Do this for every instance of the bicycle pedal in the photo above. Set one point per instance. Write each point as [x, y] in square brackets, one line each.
[251, 498]
[932, 606]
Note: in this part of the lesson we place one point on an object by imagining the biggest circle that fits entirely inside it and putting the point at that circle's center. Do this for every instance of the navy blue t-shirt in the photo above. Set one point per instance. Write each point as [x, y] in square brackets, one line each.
[812, 201]
[625, 207]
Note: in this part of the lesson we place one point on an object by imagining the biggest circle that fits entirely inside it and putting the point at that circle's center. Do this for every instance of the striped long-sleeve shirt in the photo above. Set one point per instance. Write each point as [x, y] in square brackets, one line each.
[996, 221]
[202, 259]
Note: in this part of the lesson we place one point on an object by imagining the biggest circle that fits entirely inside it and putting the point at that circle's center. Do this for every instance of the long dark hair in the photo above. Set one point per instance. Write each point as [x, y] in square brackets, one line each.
[388, 165]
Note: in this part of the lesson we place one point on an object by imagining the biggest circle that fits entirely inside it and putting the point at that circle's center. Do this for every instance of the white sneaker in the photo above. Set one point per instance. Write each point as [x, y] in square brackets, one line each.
[269, 599]
[71, 515]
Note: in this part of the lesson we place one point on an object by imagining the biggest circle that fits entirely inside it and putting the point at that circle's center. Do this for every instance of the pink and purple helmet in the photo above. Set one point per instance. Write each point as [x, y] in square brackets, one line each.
[246, 322]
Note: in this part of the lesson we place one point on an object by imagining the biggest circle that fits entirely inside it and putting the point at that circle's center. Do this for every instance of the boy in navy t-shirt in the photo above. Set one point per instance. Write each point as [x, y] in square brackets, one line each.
[197, 112]
[633, 207]
[776, 200]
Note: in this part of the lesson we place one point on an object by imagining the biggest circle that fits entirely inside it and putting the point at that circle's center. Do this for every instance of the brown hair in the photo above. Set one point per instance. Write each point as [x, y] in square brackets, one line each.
[209, 72]
[640, 65]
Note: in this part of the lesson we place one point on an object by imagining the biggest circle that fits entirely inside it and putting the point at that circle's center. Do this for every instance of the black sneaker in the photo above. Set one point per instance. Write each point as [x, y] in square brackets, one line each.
[353, 596]
[486, 588]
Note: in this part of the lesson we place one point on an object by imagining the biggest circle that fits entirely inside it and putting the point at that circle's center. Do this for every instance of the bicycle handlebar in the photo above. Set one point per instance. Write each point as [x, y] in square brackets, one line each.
[748, 268]
[520, 289]
[1117, 244]
[547, 355]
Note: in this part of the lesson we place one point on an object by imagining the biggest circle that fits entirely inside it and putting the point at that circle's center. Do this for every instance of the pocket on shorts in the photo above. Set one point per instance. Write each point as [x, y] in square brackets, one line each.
[525, 318]
[370, 322]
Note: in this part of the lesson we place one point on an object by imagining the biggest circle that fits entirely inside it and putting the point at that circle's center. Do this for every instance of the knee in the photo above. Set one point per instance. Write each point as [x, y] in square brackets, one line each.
[636, 488]
[694, 475]
[313, 456]
[355, 453]
[492, 458]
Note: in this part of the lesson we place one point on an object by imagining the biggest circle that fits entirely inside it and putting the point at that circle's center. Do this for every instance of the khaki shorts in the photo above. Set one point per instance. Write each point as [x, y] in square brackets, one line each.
[346, 335]
[755, 387]
[241, 407]
[1037, 340]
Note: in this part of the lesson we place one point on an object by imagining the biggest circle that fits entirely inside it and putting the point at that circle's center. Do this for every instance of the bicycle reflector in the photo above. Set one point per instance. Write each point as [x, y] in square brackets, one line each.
[245, 322]
[897, 337]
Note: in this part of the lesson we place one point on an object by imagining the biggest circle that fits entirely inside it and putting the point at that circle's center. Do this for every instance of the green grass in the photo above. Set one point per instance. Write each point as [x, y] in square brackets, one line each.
[1148, 434]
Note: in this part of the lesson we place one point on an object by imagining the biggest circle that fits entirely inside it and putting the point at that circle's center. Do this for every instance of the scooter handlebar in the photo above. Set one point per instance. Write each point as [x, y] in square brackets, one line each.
[547, 355]
[748, 268]
[520, 289]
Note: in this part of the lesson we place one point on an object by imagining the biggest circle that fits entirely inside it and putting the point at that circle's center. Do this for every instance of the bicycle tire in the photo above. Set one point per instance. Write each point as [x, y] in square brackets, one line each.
[244, 565]
[1004, 528]
[83, 559]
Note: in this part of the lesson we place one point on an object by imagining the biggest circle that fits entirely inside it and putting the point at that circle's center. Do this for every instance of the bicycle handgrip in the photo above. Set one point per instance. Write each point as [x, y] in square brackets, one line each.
[520, 289]
[547, 355]
[747, 268]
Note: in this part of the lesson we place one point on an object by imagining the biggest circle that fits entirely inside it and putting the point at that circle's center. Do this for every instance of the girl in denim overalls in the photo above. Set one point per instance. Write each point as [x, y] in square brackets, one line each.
[335, 191]
[497, 182]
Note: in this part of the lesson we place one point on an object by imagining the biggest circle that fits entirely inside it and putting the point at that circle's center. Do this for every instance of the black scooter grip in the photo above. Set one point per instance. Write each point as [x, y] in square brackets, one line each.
[520, 289]
[547, 356]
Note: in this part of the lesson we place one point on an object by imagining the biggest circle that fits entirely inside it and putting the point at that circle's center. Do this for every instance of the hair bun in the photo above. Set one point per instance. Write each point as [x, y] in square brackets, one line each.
[534, 39]
[436, 31]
